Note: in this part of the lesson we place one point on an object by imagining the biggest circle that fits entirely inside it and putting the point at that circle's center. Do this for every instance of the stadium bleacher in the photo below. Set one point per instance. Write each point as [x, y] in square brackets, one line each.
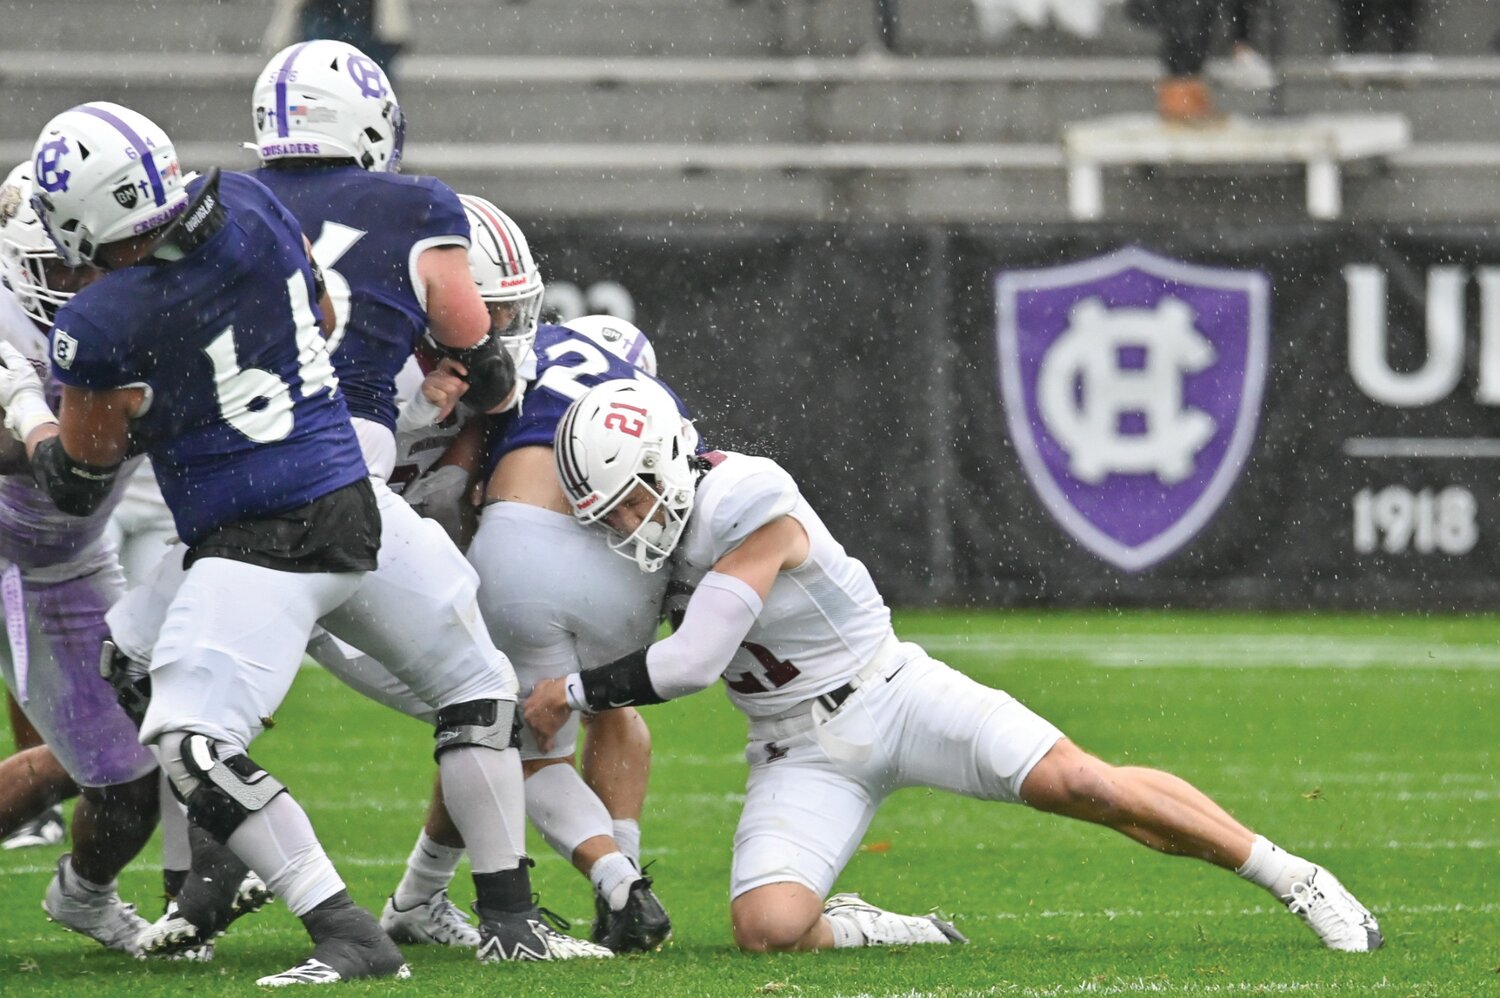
[768, 108]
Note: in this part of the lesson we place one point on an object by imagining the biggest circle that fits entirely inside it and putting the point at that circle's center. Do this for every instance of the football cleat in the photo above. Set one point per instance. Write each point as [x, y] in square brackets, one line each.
[252, 896]
[530, 935]
[46, 829]
[102, 917]
[436, 921]
[311, 971]
[1328, 908]
[886, 928]
[173, 937]
[639, 927]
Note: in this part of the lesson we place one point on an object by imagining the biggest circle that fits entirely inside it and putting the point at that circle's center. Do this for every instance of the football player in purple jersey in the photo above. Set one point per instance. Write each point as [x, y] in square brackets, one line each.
[393, 252]
[201, 346]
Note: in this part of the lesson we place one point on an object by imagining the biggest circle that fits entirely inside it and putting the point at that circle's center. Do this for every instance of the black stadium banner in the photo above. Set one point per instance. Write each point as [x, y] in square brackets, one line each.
[1078, 415]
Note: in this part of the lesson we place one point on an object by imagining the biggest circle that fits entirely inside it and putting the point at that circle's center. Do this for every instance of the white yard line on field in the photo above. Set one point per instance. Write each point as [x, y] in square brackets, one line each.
[1247, 650]
[1140, 986]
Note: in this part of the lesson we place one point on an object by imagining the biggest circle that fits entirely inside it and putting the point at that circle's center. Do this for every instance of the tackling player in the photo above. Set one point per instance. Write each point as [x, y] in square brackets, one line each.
[842, 712]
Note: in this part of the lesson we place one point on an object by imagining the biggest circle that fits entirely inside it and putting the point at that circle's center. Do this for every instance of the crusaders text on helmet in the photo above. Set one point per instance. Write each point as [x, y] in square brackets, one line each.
[101, 173]
[503, 269]
[619, 435]
[327, 100]
[621, 338]
[26, 253]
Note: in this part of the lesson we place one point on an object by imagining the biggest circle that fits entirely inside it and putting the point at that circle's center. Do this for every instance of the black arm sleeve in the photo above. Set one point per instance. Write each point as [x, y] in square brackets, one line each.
[75, 487]
[492, 372]
[625, 682]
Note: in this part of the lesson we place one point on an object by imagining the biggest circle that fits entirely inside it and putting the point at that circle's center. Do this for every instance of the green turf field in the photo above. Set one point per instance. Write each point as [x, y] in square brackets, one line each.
[1370, 744]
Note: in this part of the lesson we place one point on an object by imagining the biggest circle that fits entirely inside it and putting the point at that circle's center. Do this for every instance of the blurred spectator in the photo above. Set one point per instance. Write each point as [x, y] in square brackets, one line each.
[379, 28]
[1187, 31]
[1186, 26]
[1246, 68]
[885, 13]
[1365, 21]
[1081, 18]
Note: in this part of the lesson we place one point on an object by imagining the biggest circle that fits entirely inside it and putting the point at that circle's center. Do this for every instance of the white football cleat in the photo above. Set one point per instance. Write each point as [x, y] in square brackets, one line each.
[526, 935]
[886, 928]
[312, 971]
[436, 921]
[46, 829]
[102, 917]
[1333, 913]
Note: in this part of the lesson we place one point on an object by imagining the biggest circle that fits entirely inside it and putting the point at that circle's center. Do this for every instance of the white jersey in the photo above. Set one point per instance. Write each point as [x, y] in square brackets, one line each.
[418, 450]
[822, 621]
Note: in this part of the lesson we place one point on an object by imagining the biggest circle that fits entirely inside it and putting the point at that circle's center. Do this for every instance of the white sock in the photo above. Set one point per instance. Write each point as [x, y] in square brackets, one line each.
[176, 854]
[1273, 868]
[628, 837]
[482, 789]
[846, 934]
[564, 809]
[429, 869]
[612, 875]
[78, 887]
[278, 843]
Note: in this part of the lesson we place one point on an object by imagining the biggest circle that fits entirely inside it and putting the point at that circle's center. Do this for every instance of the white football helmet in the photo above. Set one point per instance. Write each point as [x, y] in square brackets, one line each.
[25, 250]
[325, 99]
[503, 269]
[621, 338]
[616, 436]
[100, 173]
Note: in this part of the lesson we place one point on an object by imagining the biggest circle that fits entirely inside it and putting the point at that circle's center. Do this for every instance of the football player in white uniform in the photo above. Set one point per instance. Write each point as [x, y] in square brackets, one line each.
[841, 712]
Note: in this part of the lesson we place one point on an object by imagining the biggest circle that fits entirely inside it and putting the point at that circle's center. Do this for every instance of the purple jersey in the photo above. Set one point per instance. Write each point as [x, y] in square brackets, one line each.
[367, 231]
[245, 418]
[567, 365]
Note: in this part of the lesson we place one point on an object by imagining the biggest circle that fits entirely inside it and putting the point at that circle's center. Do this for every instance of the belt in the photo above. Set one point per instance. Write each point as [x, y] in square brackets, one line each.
[875, 668]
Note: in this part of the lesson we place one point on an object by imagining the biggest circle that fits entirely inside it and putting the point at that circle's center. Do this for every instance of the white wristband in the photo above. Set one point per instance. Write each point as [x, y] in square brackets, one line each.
[416, 413]
[27, 411]
[573, 687]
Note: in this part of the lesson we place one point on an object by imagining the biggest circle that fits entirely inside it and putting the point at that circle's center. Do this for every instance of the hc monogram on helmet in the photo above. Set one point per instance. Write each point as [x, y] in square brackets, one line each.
[503, 269]
[26, 251]
[101, 173]
[325, 99]
[618, 435]
[621, 338]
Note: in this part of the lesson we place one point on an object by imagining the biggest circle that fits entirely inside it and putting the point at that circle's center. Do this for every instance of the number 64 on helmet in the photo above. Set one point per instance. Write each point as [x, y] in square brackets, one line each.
[626, 444]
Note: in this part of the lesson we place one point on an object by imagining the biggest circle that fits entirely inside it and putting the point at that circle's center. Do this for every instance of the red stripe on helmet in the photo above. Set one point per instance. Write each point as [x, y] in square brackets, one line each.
[506, 243]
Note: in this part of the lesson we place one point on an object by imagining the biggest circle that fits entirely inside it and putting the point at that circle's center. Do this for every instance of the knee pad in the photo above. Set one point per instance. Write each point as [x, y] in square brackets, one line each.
[492, 724]
[229, 786]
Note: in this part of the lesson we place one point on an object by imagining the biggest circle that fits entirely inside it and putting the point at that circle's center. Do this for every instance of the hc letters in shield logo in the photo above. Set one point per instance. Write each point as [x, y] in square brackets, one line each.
[1132, 387]
[367, 76]
[64, 349]
[50, 176]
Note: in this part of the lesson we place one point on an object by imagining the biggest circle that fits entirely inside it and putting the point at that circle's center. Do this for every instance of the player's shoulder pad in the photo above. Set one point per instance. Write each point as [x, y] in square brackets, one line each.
[739, 496]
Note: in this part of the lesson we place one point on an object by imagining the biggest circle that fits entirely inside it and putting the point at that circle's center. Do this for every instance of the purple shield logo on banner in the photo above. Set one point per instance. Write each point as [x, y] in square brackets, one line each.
[1132, 386]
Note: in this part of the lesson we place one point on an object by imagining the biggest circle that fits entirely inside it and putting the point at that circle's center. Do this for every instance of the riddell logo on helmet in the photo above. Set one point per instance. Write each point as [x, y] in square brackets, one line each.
[510, 282]
[588, 501]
